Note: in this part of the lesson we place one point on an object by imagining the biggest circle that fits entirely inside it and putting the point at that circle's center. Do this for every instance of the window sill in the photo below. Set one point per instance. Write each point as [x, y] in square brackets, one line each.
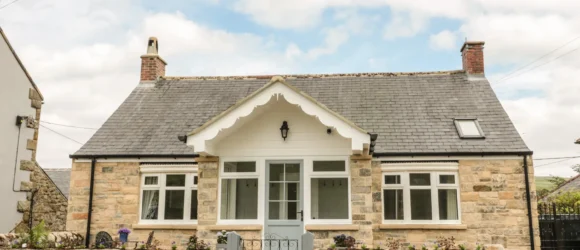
[164, 226]
[235, 227]
[424, 226]
[330, 227]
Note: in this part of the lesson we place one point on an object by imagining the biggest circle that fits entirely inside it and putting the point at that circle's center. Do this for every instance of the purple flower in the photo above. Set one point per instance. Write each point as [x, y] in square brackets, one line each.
[124, 231]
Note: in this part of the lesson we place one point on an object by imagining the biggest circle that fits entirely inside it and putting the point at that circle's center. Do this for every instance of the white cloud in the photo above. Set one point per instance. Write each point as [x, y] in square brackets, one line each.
[444, 40]
[405, 25]
[86, 68]
[297, 14]
[84, 55]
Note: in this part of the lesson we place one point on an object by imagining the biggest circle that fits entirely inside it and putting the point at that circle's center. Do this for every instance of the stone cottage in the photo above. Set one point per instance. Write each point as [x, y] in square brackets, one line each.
[22, 179]
[412, 156]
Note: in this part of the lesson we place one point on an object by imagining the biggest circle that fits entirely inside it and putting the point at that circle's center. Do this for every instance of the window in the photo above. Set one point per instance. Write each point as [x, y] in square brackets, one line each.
[420, 197]
[239, 191]
[169, 198]
[329, 191]
[468, 128]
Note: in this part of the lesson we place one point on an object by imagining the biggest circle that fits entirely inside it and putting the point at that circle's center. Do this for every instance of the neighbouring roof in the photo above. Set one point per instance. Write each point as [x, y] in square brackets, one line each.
[20, 63]
[410, 112]
[573, 184]
[60, 177]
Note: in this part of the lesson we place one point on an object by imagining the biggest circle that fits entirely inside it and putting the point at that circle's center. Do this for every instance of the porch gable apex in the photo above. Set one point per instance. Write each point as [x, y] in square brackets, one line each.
[360, 139]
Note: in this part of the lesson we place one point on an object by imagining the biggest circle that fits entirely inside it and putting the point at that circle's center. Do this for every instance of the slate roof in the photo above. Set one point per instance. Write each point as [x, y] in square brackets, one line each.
[60, 177]
[572, 184]
[410, 112]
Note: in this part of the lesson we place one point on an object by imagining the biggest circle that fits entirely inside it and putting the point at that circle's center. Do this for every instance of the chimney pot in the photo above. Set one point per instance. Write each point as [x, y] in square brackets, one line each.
[152, 65]
[152, 46]
[472, 57]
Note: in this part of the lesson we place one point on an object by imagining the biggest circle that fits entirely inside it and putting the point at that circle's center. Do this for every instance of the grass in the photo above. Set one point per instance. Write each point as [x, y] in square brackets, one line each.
[542, 182]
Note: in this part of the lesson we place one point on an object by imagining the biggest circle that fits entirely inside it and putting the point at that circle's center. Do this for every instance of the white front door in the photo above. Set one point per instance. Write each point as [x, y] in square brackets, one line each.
[284, 207]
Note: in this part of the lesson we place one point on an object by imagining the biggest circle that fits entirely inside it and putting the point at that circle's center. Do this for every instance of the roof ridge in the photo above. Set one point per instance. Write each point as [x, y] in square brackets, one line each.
[331, 75]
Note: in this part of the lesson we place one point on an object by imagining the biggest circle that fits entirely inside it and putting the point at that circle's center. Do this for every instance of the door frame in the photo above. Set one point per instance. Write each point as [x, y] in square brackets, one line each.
[267, 192]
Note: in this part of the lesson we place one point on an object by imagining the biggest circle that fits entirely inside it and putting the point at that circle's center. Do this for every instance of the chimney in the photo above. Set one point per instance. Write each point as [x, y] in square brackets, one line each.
[152, 65]
[472, 57]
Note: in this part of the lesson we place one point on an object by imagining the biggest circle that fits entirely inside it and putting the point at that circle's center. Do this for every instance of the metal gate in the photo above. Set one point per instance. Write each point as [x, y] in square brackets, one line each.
[270, 242]
[559, 226]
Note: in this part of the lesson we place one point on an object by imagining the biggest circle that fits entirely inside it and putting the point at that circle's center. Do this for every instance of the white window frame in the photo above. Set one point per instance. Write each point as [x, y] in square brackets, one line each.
[309, 174]
[435, 170]
[258, 174]
[190, 174]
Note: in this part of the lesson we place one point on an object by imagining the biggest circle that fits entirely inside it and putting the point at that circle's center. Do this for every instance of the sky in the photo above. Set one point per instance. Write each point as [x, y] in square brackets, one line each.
[85, 55]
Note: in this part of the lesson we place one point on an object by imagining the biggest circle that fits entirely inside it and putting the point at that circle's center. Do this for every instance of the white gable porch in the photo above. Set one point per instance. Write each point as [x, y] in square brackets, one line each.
[252, 127]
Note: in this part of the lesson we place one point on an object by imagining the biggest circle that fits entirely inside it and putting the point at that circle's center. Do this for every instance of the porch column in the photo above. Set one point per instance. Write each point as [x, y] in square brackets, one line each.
[361, 197]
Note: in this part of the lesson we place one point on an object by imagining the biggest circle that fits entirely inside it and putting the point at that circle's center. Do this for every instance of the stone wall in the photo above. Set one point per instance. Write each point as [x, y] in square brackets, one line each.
[493, 207]
[115, 203]
[50, 205]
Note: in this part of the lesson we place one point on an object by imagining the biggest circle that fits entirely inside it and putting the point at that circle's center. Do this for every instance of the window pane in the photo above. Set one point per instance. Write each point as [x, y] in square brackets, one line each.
[275, 209]
[276, 191]
[392, 179]
[421, 204]
[292, 172]
[175, 180]
[328, 166]
[420, 179]
[151, 180]
[393, 204]
[468, 128]
[150, 204]
[239, 167]
[195, 180]
[239, 199]
[448, 204]
[292, 210]
[329, 198]
[291, 191]
[446, 179]
[193, 214]
[174, 201]
[276, 172]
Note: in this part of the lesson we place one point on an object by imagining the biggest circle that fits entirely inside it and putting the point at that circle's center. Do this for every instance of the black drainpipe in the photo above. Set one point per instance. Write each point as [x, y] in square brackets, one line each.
[87, 238]
[31, 208]
[529, 203]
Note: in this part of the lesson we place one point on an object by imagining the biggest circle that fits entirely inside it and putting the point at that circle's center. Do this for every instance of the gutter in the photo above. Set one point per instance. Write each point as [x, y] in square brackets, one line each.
[90, 212]
[529, 203]
[451, 154]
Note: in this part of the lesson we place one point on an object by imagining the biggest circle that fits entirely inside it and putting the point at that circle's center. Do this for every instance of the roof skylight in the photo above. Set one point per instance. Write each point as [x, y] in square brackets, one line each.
[468, 128]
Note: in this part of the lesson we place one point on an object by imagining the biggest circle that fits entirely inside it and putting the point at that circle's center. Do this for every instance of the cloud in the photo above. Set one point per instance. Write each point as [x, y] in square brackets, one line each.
[298, 14]
[444, 40]
[86, 72]
[405, 25]
[349, 23]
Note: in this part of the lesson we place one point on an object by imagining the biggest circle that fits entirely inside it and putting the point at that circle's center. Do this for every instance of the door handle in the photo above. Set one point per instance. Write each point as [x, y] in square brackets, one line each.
[301, 215]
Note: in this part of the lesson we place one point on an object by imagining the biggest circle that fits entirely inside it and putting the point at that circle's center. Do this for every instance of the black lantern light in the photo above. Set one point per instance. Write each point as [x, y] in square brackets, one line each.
[284, 129]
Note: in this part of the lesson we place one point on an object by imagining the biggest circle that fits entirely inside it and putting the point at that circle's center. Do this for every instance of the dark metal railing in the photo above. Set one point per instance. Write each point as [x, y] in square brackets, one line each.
[559, 226]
